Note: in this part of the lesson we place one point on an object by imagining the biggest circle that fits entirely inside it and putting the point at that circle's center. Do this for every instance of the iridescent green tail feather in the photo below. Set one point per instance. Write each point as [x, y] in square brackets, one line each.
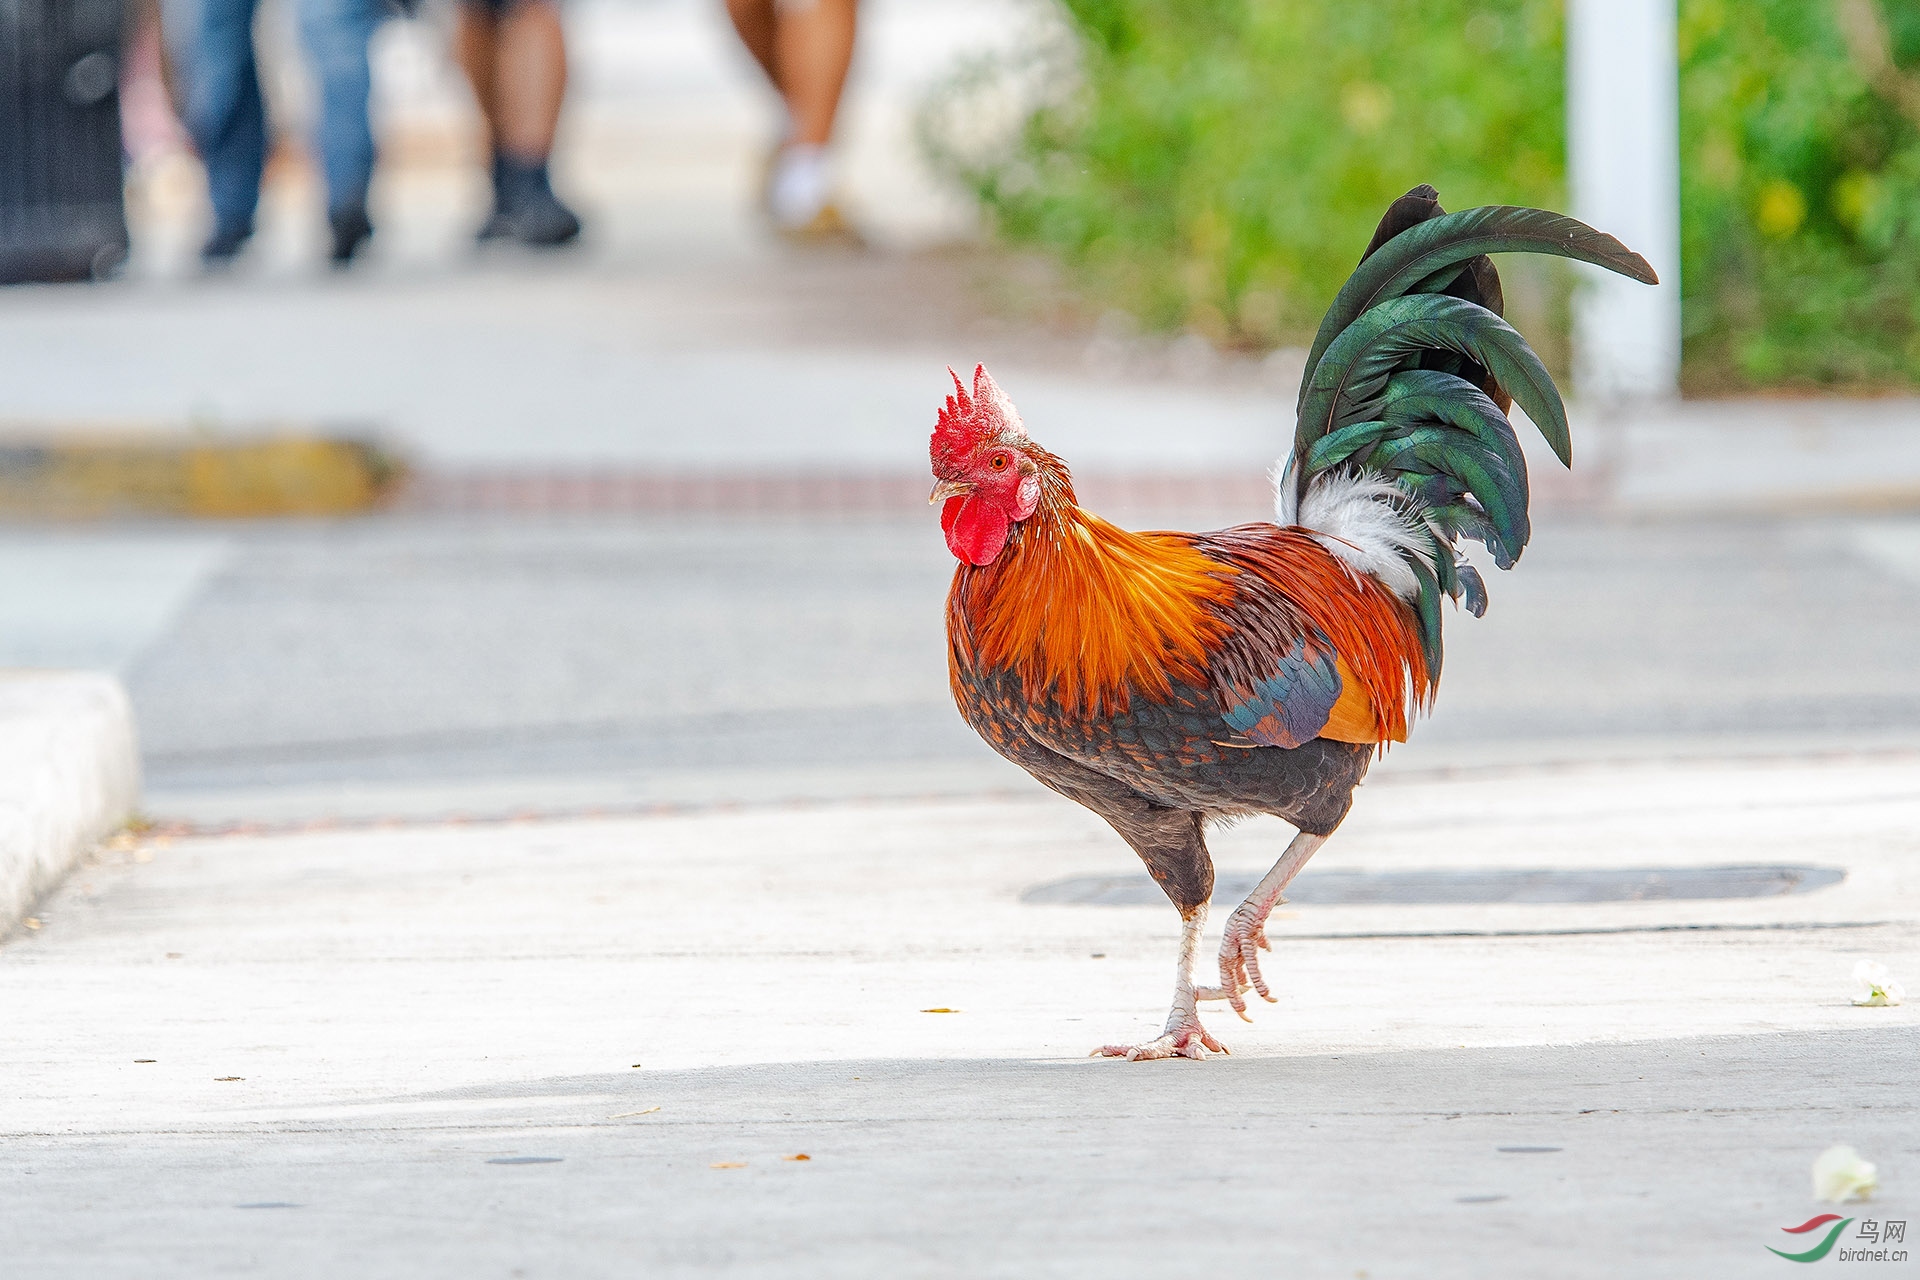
[1410, 377]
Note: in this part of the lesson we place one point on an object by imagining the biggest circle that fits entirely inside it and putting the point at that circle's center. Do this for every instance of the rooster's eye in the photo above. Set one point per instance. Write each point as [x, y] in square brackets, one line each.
[999, 461]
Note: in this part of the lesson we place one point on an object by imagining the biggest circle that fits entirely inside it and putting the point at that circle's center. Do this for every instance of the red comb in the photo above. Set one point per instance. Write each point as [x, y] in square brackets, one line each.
[968, 421]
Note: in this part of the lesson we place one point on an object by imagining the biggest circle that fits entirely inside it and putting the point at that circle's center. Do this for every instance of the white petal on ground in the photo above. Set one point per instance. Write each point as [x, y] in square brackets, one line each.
[1840, 1174]
[1878, 986]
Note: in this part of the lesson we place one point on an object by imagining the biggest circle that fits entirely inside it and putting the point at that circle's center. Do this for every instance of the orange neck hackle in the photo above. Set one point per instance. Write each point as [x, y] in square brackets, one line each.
[1089, 615]
[1087, 612]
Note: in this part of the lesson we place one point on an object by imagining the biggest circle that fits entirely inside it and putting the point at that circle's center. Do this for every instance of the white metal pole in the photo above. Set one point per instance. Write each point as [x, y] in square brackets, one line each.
[1623, 151]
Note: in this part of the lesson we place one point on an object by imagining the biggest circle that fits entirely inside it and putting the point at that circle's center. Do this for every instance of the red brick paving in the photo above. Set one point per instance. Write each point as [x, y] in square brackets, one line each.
[583, 491]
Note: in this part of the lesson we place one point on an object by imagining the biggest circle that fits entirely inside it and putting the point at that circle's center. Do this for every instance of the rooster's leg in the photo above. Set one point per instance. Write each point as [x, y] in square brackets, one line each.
[1245, 936]
[1172, 842]
[1184, 1036]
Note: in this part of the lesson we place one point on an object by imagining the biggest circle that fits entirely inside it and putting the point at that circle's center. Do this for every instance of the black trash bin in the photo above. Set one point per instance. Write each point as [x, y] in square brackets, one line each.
[62, 215]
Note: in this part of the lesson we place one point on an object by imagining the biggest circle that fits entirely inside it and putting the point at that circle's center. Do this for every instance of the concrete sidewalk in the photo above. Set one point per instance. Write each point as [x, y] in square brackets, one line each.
[412, 1051]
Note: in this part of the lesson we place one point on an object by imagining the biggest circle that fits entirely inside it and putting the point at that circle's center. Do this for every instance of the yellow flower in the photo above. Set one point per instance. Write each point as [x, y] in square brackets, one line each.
[1366, 106]
[1852, 196]
[1781, 209]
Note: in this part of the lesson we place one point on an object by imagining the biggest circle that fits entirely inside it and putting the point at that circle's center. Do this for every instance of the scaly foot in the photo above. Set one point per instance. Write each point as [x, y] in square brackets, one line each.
[1183, 1038]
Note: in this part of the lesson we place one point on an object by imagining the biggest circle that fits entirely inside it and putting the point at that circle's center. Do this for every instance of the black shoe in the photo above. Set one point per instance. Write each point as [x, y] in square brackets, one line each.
[224, 245]
[350, 231]
[525, 208]
[498, 226]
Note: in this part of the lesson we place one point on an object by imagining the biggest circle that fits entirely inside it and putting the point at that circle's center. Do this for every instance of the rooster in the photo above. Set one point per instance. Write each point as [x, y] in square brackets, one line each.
[1169, 680]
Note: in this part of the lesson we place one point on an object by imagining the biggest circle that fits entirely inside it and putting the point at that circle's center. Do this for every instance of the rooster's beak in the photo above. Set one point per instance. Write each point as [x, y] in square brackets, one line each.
[948, 489]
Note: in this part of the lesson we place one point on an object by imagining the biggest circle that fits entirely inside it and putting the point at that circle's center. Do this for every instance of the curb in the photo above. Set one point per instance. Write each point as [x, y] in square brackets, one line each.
[130, 473]
[69, 775]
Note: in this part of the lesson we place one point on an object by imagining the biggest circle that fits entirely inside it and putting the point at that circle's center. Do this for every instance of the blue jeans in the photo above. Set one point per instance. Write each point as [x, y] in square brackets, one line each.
[227, 116]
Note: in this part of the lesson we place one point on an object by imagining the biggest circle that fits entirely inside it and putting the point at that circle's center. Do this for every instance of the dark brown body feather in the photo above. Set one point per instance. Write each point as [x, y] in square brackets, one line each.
[1156, 775]
[1156, 763]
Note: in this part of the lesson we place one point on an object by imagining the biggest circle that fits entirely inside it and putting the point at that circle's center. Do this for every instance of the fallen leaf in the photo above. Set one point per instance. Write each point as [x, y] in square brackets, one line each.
[943, 1009]
[636, 1064]
[227, 1079]
[728, 1164]
[32, 922]
[626, 1114]
[140, 1060]
[802, 1156]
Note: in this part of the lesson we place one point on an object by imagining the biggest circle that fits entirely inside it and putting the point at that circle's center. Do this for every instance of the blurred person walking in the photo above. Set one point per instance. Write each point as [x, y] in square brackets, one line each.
[805, 48]
[515, 55]
[227, 116]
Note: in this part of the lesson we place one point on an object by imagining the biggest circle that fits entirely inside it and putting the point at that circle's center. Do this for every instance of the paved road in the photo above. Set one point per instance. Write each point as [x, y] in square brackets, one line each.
[412, 1052]
[484, 665]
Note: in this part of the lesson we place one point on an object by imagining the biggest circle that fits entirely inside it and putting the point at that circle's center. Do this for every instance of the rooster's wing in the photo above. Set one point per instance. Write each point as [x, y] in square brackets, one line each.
[1270, 684]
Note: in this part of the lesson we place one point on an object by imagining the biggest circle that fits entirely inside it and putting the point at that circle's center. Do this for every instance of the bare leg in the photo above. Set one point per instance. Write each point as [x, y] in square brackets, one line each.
[755, 22]
[813, 49]
[517, 64]
[529, 79]
[805, 48]
[1245, 936]
[1184, 1036]
[474, 41]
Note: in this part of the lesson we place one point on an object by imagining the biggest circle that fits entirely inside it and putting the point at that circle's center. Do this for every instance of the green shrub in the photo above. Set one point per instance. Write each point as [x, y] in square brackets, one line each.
[1224, 161]
[1217, 164]
[1800, 188]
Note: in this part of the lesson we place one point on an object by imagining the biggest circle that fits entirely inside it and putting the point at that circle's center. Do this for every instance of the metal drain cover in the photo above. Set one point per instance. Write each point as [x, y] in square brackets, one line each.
[1419, 888]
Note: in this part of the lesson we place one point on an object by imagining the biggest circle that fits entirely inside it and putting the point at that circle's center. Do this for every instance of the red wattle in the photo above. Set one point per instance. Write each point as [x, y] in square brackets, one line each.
[976, 530]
